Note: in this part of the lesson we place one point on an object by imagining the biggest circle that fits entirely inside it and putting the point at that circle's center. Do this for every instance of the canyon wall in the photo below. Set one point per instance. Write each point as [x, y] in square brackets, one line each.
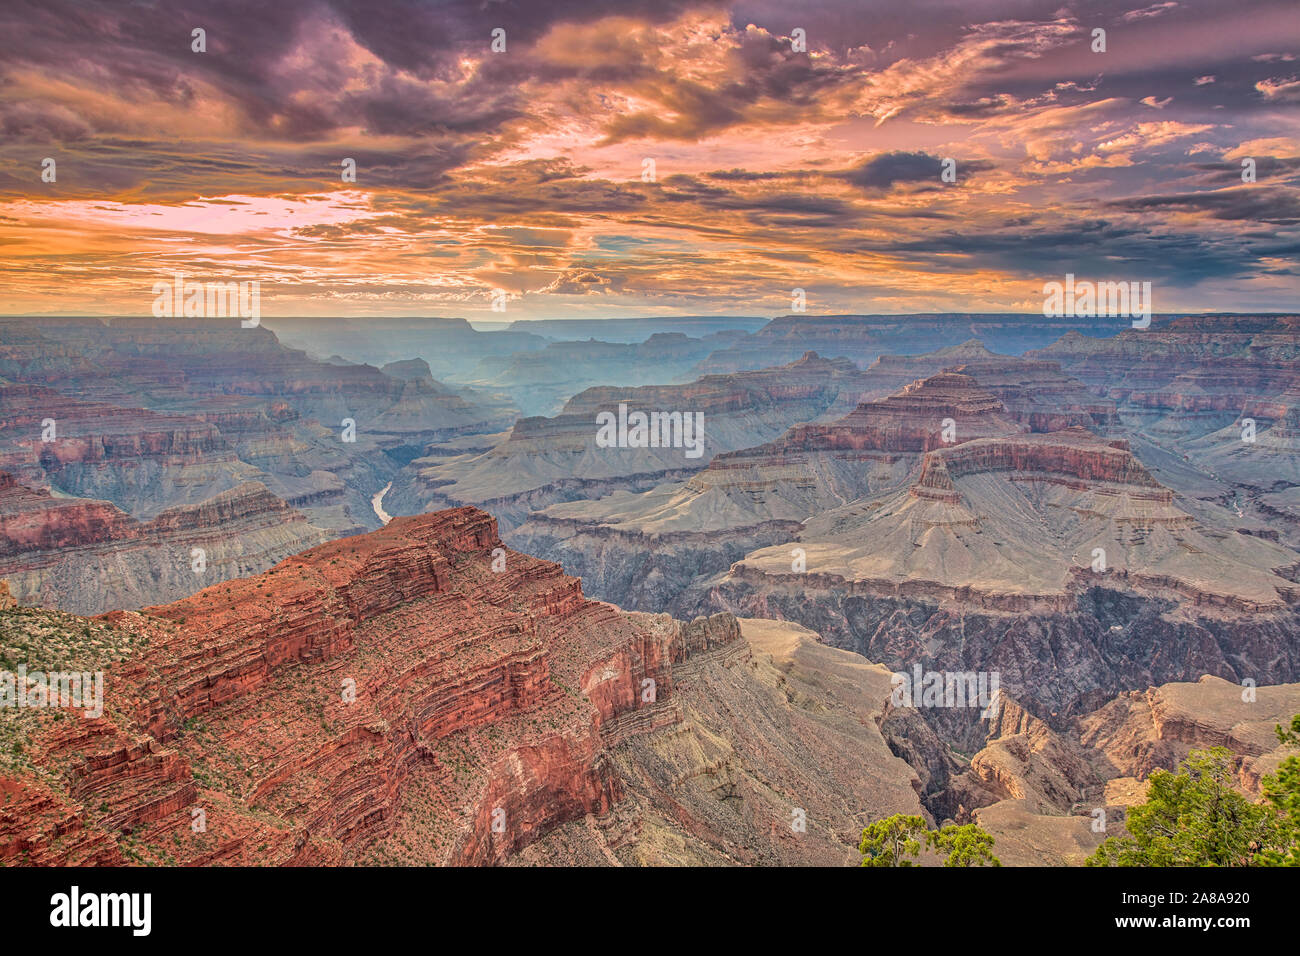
[418, 694]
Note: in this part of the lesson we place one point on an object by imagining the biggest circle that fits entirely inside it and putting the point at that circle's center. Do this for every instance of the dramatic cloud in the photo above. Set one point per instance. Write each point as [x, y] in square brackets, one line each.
[623, 156]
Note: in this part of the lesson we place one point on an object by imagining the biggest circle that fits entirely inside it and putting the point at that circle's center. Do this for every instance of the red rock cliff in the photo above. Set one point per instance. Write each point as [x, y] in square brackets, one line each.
[417, 681]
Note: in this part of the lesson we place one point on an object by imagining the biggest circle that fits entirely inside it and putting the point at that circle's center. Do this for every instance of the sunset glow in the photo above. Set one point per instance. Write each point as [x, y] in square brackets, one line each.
[773, 169]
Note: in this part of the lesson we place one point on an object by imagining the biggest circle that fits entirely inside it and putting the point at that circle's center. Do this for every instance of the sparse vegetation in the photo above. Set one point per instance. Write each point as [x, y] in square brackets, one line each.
[897, 841]
[45, 640]
[1196, 817]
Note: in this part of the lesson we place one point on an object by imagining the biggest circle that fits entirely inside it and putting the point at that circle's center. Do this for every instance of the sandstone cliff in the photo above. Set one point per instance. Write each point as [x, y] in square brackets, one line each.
[404, 696]
[548, 460]
[87, 556]
[1210, 404]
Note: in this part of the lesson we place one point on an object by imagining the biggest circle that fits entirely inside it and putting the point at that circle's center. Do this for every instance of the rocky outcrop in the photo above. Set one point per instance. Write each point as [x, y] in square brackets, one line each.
[660, 548]
[1155, 728]
[912, 421]
[1209, 402]
[141, 459]
[1054, 559]
[548, 460]
[774, 746]
[1049, 797]
[1072, 456]
[1188, 377]
[1039, 394]
[419, 694]
[87, 556]
[1036, 393]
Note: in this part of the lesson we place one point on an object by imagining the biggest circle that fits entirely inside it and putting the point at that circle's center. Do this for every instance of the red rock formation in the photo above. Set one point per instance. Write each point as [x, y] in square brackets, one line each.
[1073, 455]
[1194, 363]
[83, 555]
[495, 688]
[95, 433]
[1185, 388]
[1039, 394]
[909, 422]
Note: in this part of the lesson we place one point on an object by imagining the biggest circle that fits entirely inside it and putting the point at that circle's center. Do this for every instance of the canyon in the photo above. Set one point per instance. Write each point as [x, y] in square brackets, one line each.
[538, 364]
[541, 461]
[1210, 403]
[864, 338]
[202, 434]
[1052, 556]
[350, 614]
[393, 698]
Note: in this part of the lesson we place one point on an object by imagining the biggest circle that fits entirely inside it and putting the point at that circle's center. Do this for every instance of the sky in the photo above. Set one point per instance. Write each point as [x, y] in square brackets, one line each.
[648, 158]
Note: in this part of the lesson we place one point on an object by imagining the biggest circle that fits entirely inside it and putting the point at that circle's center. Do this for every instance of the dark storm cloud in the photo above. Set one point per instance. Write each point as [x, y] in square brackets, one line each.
[495, 165]
[1103, 250]
[1249, 202]
[1284, 169]
[882, 172]
[145, 48]
[404, 33]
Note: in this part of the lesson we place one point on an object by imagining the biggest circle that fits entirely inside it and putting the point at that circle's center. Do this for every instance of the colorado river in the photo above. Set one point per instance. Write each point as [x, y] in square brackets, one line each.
[377, 502]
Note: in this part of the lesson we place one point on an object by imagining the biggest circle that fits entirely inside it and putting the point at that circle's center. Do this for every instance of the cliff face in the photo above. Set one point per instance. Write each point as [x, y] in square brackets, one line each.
[777, 729]
[891, 542]
[148, 417]
[652, 550]
[1210, 403]
[1071, 455]
[1059, 656]
[1054, 559]
[141, 459]
[1039, 394]
[912, 421]
[393, 697]
[548, 460]
[864, 338]
[88, 556]
[1040, 791]
[1185, 379]
[1156, 728]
